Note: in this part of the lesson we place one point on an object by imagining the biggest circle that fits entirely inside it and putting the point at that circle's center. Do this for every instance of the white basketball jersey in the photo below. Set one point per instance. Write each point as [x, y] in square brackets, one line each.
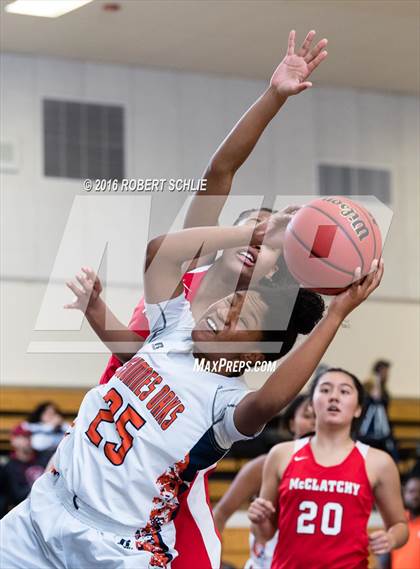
[140, 440]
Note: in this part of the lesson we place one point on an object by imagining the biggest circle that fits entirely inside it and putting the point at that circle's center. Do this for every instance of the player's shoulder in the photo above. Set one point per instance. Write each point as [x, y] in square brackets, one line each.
[281, 454]
[380, 465]
[379, 458]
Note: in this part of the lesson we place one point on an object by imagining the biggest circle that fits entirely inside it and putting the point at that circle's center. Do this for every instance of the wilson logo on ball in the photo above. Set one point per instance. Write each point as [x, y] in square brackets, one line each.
[352, 216]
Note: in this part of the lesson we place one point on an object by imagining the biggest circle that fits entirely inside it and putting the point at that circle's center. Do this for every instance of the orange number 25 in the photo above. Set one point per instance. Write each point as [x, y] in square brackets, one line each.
[129, 415]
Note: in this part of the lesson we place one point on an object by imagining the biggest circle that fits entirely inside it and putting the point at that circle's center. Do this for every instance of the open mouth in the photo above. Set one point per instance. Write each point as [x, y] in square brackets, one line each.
[247, 257]
[211, 324]
[333, 409]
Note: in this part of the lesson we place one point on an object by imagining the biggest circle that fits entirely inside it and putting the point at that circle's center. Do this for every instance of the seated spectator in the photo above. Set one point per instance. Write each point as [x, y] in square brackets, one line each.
[375, 429]
[23, 468]
[47, 425]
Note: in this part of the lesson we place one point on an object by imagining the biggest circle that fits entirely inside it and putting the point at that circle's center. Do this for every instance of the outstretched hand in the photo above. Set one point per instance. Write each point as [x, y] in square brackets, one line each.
[88, 291]
[271, 230]
[345, 302]
[290, 77]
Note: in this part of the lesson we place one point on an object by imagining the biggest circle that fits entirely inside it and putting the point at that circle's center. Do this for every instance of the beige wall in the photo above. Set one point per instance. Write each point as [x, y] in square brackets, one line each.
[174, 121]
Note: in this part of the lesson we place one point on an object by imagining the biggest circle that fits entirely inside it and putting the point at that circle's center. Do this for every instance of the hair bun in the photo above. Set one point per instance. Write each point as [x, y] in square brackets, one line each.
[308, 311]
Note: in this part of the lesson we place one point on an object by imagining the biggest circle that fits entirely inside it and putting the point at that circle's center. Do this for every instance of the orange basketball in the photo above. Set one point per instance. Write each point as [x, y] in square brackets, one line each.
[327, 240]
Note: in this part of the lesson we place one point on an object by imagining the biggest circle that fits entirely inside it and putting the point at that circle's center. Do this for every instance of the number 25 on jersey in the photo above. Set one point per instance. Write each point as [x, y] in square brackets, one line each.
[115, 455]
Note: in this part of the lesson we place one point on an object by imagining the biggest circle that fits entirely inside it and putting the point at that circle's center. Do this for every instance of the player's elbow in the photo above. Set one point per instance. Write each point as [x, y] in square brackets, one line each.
[404, 534]
[152, 248]
[220, 518]
[267, 408]
[219, 168]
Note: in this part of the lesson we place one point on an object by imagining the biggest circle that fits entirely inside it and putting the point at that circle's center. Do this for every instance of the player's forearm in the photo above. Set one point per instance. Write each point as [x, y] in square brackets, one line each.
[292, 374]
[242, 489]
[242, 139]
[263, 532]
[229, 157]
[289, 378]
[176, 248]
[398, 534]
[122, 341]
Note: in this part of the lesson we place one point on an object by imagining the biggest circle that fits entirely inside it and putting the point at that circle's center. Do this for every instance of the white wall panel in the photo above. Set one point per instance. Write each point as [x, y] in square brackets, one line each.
[174, 122]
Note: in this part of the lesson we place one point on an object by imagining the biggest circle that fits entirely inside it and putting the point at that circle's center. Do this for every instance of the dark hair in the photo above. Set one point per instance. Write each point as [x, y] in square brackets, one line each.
[361, 393]
[35, 416]
[380, 364]
[307, 311]
[410, 476]
[247, 212]
[290, 412]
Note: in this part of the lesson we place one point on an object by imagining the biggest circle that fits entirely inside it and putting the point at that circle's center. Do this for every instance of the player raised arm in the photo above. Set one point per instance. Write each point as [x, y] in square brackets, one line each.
[290, 78]
[257, 408]
[122, 341]
[166, 254]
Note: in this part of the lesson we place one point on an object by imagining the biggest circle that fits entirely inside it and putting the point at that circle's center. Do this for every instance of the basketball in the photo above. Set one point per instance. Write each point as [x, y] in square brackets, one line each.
[327, 240]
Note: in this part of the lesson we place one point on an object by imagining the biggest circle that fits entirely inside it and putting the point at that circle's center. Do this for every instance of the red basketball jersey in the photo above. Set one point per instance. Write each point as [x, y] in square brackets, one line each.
[323, 512]
[139, 323]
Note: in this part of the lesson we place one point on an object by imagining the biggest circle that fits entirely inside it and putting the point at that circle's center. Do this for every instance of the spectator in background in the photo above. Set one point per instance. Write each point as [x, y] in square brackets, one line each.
[375, 429]
[47, 425]
[408, 556]
[23, 468]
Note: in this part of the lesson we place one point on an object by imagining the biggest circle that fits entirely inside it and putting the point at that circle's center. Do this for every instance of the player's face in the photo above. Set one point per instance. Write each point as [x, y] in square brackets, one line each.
[335, 400]
[251, 261]
[304, 420]
[236, 318]
[412, 496]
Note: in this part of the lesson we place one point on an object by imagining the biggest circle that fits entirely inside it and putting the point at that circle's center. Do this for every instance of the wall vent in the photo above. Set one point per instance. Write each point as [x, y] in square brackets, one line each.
[337, 180]
[83, 140]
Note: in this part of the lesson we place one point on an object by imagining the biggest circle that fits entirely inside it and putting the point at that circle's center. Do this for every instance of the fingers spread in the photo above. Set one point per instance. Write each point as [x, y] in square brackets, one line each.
[316, 50]
[315, 62]
[86, 282]
[74, 289]
[303, 86]
[376, 278]
[291, 43]
[90, 273]
[306, 44]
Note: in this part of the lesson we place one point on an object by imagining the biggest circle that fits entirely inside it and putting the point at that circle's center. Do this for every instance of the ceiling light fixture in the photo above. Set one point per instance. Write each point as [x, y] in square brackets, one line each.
[44, 8]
